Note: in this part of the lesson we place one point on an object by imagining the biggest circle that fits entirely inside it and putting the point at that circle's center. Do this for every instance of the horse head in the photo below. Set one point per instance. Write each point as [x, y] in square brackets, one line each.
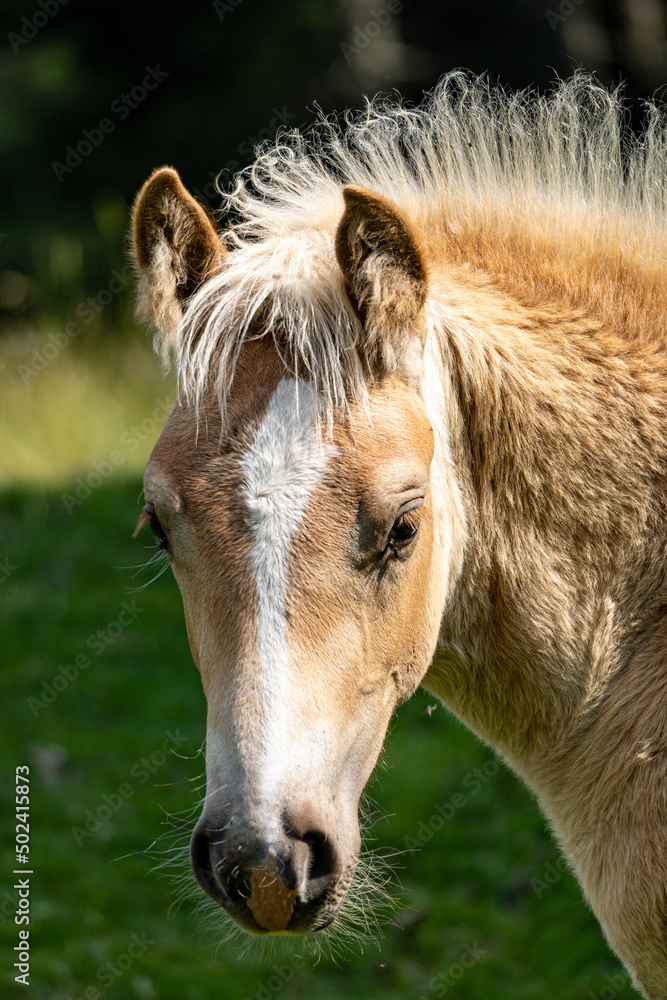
[301, 529]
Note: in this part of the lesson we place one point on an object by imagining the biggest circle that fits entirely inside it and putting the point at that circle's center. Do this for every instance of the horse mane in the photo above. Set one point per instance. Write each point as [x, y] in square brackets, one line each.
[552, 197]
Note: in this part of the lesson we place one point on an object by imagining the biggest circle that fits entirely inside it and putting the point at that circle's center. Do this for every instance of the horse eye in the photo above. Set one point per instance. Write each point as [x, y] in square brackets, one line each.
[153, 522]
[404, 530]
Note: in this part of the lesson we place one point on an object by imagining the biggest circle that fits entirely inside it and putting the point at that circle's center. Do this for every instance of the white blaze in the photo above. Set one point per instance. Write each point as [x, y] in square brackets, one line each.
[281, 470]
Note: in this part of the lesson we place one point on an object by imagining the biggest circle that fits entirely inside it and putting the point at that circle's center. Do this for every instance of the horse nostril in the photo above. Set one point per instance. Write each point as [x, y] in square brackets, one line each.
[321, 855]
[206, 865]
[202, 864]
[322, 865]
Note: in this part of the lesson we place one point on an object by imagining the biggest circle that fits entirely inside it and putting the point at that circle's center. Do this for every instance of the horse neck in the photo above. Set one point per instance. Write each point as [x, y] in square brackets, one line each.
[557, 435]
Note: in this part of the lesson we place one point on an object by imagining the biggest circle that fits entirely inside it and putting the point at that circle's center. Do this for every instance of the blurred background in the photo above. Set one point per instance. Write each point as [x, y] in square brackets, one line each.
[99, 695]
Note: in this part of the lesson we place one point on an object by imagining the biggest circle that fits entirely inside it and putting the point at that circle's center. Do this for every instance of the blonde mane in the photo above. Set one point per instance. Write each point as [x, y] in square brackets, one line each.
[549, 197]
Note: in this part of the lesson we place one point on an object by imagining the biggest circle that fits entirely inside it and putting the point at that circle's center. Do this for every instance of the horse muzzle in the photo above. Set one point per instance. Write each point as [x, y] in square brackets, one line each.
[291, 884]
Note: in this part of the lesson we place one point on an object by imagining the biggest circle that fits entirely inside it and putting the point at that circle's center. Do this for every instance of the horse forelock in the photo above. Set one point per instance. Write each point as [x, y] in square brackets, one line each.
[496, 181]
[290, 289]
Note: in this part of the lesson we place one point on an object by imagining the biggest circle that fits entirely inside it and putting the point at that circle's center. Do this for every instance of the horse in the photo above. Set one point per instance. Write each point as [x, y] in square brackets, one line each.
[421, 439]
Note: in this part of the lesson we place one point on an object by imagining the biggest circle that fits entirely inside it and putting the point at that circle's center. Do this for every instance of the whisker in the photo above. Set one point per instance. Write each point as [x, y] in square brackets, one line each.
[368, 906]
[158, 559]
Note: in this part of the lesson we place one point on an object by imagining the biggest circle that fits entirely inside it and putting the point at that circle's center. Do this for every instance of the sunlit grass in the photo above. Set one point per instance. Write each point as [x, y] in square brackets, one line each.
[78, 410]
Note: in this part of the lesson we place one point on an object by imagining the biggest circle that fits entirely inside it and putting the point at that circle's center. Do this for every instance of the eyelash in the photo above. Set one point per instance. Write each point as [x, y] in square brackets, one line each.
[150, 518]
[404, 530]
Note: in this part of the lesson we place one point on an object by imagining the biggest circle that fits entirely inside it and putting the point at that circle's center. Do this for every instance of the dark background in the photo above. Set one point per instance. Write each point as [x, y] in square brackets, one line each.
[231, 67]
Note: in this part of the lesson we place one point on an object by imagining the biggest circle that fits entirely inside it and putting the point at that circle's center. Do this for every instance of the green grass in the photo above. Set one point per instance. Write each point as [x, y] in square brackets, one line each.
[471, 884]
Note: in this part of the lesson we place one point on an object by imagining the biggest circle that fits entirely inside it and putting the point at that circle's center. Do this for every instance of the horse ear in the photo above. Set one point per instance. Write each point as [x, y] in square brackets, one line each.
[175, 247]
[384, 272]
